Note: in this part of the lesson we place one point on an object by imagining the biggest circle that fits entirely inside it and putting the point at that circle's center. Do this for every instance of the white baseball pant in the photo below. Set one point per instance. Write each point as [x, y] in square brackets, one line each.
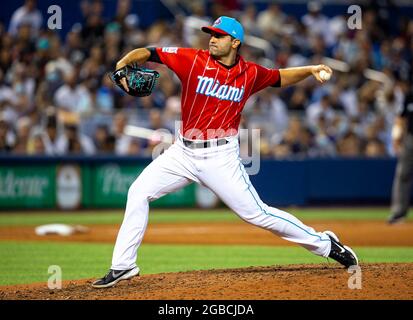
[220, 169]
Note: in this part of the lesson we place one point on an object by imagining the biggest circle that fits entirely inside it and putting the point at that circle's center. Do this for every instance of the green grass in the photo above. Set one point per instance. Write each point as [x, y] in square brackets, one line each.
[27, 262]
[168, 216]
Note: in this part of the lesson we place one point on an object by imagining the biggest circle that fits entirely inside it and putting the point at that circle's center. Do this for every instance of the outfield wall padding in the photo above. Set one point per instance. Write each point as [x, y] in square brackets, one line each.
[103, 182]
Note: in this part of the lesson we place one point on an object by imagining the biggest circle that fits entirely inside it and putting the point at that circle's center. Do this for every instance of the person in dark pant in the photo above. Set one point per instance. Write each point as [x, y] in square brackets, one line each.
[402, 136]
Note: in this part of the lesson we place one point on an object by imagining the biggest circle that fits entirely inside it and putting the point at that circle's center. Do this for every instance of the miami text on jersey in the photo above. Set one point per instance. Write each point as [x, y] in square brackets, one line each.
[209, 87]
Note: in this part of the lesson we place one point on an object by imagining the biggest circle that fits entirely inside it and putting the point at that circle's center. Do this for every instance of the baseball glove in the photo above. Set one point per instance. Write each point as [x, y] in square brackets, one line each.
[140, 81]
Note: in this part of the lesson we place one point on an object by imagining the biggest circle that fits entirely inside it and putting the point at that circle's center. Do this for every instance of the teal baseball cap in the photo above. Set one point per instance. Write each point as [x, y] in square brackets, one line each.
[226, 25]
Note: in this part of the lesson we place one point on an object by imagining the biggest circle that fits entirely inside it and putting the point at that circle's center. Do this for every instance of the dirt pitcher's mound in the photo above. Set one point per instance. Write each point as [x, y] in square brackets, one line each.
[327, 281]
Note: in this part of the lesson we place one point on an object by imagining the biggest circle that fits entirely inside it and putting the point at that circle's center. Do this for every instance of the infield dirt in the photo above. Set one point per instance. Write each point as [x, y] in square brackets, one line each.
[353, 233]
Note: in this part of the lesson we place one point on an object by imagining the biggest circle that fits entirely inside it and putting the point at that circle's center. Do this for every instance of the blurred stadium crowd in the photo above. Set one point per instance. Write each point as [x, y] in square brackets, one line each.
[56, 98]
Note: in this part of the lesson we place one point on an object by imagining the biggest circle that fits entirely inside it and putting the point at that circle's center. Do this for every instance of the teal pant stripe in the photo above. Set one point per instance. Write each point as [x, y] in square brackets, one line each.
[270, 214]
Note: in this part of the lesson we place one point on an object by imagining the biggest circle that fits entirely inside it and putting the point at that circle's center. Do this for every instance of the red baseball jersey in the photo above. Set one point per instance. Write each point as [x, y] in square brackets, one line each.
[213, 96]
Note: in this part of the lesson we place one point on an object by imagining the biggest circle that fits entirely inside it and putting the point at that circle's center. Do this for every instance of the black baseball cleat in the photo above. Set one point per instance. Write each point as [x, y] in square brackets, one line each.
[114, 276]
[341, 253]
[396, 218]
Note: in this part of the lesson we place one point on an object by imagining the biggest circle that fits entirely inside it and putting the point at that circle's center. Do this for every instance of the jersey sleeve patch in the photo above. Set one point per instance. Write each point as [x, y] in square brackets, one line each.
[170, 49]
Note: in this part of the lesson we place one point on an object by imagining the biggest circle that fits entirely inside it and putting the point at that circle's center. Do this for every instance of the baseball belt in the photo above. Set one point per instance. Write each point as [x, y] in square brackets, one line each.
[204, 144]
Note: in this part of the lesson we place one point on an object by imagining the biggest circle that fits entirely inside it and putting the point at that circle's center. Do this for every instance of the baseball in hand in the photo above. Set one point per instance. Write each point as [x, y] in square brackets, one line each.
[324, 75]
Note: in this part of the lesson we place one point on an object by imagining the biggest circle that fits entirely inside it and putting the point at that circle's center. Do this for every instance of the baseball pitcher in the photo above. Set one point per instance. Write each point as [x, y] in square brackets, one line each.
[216, 83]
